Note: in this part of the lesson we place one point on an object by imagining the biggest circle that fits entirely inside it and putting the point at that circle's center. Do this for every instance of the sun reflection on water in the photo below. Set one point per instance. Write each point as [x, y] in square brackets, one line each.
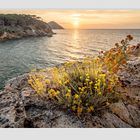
[75, 49]
[75, 38]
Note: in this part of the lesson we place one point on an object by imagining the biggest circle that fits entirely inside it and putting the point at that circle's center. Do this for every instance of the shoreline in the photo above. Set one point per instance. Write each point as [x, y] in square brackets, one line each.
[26, 36]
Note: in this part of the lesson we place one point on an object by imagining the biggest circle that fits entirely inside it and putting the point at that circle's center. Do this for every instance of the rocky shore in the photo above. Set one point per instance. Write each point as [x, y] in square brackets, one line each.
[21, 107]
[14, 26]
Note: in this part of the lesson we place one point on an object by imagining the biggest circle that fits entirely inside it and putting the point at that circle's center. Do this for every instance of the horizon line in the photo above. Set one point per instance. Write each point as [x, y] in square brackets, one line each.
[100, 29]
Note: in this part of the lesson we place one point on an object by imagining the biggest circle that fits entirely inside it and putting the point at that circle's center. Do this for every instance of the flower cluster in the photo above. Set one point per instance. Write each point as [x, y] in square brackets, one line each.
[38, 81]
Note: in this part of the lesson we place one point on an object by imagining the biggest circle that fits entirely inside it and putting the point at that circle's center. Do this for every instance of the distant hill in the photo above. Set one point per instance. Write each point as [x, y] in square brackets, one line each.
[14, 26]
[55, 25]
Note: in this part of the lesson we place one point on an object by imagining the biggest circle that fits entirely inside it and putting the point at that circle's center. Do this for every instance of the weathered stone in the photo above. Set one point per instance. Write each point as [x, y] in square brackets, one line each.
[121, 111]
[132, 95]
[110, 120]
[130, 76]
[135, 115]
[66, 121]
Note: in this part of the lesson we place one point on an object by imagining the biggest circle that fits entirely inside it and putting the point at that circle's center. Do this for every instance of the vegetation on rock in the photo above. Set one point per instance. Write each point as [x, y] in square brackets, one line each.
[86, 86]
[20, 25]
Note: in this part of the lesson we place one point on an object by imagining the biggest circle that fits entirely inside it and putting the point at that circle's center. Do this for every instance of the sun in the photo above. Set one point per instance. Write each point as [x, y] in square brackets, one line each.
[76, 23]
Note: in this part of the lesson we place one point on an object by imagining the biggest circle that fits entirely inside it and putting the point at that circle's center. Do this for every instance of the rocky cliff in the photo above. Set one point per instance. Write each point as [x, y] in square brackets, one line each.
[20, 106]
[13, 26]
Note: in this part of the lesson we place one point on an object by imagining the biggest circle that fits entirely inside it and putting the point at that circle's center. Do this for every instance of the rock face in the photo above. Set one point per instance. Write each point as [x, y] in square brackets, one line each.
[21, 107]
[55, 25]
[13, 26]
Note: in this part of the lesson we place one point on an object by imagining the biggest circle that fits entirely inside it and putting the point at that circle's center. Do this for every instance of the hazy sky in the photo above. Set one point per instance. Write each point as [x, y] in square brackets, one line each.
[71, 4]
[87, 19]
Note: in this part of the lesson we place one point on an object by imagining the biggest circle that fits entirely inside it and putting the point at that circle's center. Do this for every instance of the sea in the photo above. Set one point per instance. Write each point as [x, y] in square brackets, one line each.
[21, 56]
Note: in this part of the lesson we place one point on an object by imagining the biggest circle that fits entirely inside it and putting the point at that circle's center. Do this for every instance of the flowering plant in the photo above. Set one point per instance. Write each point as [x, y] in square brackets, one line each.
[86, 86]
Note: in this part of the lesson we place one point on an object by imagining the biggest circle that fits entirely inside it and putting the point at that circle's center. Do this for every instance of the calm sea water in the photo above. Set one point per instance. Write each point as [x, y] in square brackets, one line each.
[20, 56]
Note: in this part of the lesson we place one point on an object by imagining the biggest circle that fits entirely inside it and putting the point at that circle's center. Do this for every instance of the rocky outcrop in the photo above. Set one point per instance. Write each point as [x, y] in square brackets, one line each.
[21, 107]
[13, 26]
[54, 25]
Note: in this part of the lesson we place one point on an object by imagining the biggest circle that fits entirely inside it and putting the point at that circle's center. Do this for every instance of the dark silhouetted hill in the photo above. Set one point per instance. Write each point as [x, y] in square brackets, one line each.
[55, 25]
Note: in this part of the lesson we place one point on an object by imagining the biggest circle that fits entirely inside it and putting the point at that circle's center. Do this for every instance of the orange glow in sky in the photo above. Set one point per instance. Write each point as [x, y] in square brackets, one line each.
[87, 19]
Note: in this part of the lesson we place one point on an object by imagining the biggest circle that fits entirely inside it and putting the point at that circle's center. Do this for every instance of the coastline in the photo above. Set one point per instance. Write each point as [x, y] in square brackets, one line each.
[8, 36]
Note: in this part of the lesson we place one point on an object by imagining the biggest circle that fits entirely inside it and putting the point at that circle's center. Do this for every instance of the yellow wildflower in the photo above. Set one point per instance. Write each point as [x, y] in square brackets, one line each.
[69, 90]
[90, 82]
[47, 81]
[87, 79]
[68, 95]
[60, 82]
[67, 81]
[58, 92]
[79, 88]
[82, 89]
[102, 75]
[73, 108]
[52, 93]
[90, 109]
[76, 96]
[81, 77]
[79, 110]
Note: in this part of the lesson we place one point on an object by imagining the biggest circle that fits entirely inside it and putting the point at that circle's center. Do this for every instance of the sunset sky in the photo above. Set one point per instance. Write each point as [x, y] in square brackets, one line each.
[88, 19]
